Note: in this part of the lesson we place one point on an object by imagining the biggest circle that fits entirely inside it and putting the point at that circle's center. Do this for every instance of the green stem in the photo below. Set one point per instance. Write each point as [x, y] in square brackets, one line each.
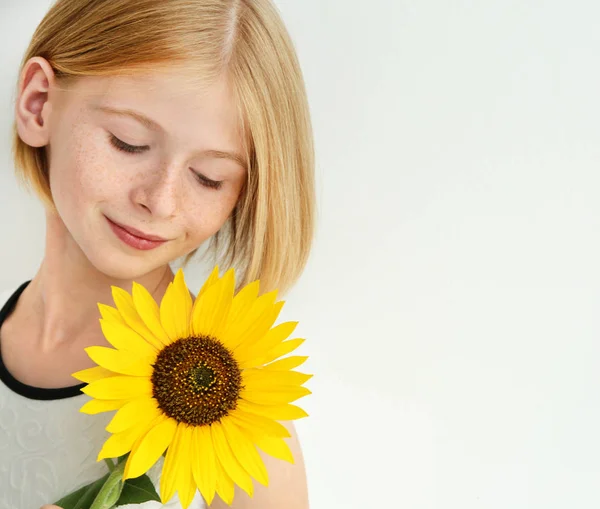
[110, 492]
[109, 464]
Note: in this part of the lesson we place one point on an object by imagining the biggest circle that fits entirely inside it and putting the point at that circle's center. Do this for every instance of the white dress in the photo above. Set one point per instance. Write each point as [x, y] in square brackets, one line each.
[47, 447]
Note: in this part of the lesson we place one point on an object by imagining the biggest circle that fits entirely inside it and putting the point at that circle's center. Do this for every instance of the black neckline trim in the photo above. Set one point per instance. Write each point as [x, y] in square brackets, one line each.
[28, 391]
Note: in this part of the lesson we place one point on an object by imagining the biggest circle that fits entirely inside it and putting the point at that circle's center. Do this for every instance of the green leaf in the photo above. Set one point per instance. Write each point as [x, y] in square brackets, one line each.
[138, 490]
[135, 491]
[83, 497]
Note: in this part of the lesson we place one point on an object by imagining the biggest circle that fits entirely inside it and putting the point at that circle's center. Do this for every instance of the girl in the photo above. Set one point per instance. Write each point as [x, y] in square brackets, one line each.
[148, 128]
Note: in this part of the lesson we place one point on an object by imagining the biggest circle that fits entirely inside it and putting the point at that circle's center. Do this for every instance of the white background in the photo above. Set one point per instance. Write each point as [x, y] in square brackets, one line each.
[451, 301]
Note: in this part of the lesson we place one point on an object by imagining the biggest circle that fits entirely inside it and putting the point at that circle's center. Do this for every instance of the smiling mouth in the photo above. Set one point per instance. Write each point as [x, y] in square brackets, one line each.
[135, 238]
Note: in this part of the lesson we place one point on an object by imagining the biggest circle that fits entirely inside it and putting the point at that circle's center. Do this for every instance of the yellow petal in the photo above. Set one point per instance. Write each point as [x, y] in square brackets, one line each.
[276, 447]
[120, 361]
[92, 374]
[126, 307]
[177, 469]
[243, 301]
[245, 452]
[229, 462]
[252, 325]
[176, 309]
[258, 424]
[211, 309]
[211, 280]
[225, 486]
[203, 463]
[257, 325]
[119, 387]
[277, 396]
[149, 312]
[96, 406]
[110, 314]
[255, 379]
[279, 351]
[129, 414]
[287, 363]
[286, 412]
[123, 337]
[168, 478]
[146, 451]
[187, 489]
[248, 355]
[121, 443]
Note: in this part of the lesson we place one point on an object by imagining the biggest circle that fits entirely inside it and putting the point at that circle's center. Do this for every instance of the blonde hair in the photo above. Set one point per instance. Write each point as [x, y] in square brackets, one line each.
[271, 229]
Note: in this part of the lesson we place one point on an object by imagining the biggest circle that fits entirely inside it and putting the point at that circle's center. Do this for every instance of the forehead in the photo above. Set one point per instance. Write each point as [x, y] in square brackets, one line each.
[182, 105]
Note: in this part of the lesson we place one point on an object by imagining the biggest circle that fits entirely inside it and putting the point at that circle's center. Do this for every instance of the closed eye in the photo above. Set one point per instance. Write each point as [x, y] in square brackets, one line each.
[206, 182]
[126, 147]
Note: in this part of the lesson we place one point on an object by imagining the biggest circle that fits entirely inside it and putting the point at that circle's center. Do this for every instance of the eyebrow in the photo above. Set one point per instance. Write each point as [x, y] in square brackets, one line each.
[151, 124]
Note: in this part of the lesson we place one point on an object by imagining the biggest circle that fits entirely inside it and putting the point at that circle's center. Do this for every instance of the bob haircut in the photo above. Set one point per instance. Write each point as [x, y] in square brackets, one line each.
[270, 232]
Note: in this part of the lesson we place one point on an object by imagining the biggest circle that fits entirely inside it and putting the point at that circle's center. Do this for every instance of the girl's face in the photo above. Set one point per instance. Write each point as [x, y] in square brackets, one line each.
[143, 169]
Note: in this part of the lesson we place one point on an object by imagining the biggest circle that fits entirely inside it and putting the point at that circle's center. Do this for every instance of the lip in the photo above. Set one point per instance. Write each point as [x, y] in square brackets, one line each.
[135, 238]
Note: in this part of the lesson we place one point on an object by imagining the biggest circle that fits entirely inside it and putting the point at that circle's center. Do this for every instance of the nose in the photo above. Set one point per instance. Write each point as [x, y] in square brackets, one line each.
[158, 192]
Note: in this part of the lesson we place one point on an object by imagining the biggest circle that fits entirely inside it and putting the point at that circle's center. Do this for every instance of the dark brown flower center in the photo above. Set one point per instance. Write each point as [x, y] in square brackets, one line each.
[196, 381]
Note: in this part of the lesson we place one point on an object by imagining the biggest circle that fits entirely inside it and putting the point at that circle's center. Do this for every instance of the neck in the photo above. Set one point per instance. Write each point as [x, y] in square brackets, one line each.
[62, 298]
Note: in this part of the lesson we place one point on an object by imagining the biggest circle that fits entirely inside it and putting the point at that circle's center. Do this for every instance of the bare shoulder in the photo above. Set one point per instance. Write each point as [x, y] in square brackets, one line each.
[287, 483]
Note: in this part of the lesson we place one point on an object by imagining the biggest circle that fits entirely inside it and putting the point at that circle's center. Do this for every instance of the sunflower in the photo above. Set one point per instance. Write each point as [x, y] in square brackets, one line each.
[200, 379]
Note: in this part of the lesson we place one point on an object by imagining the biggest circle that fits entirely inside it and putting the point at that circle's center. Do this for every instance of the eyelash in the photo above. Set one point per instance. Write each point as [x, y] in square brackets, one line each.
[133, 149]
[206, 182]
[126, 147]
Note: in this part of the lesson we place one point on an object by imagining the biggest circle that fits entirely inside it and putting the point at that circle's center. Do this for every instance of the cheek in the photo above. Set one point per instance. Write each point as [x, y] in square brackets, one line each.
[83, 173]
[206, 213]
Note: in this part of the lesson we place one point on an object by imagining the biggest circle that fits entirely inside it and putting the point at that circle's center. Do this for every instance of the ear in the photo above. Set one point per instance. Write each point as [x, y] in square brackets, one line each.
[32, 108]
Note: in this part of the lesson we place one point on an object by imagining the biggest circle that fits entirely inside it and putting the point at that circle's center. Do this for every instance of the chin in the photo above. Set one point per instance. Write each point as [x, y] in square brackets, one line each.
[119, 266]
